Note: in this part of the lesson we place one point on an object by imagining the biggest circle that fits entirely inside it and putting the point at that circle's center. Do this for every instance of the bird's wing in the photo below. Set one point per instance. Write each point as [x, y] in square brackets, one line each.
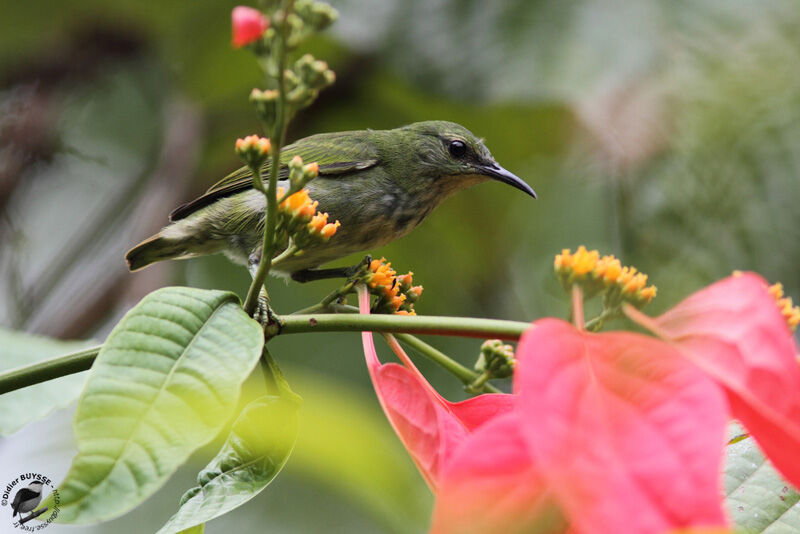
[22, 495]
[336, 154]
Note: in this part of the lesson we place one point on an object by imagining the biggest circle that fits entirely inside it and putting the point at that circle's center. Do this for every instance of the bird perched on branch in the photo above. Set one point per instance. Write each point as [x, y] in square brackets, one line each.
[27, 499]
[379, 184]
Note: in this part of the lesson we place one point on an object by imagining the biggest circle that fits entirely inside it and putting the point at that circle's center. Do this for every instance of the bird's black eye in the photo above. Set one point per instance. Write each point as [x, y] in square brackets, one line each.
[457, 148]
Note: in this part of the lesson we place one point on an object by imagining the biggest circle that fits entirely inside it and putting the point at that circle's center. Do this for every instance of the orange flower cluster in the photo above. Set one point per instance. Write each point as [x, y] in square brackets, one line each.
[606, 274]
[299, 218]
[395, 293]
[789, 311]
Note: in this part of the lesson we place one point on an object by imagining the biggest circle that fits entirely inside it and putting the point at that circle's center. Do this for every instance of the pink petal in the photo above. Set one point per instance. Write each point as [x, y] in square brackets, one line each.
[472, 412]
[492, 485]
[476, 411]
[428, 425]
[734, 331]
[248, 25]
[626, 433]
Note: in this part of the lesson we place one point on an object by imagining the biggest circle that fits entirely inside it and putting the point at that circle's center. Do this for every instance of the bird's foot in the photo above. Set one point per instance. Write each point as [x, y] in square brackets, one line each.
[264, 314]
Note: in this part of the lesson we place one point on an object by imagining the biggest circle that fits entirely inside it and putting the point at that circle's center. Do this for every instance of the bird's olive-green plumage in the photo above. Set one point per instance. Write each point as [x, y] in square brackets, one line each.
[379, 183]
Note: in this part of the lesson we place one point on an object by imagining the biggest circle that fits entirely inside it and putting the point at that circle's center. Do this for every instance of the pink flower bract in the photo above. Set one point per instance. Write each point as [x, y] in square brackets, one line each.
[248, 25]
[430, 427]
[734, 331]
[611, 433]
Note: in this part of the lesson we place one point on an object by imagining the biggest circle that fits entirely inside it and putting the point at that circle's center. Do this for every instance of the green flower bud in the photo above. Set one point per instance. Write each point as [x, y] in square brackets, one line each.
[313, 73]
[496, 358]
[253, 150]
[316, 15]
[266, 104]
[296, 174]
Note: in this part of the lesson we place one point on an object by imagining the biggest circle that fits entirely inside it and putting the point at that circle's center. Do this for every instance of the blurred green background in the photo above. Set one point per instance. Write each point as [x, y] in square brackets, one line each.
[665, 132]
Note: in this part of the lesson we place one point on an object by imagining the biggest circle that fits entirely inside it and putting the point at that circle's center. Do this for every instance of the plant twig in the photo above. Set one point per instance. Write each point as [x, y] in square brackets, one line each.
[47, 370]
[288, 253]
[325, 305]
[443, 360]
[419, 324]
[34, 515]
[292, 324]
[277, 137]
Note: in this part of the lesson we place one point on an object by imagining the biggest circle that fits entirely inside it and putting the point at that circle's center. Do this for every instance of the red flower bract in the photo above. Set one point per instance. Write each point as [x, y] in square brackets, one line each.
[611, 433]
[734, 331]
[248, 25]
[430, 427]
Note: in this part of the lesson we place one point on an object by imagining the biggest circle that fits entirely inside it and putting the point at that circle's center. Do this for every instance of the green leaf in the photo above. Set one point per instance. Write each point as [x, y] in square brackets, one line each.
[347, 445]
[257, 448]
[197, 529]
[18, 408]
[165, 382]
[758, 499]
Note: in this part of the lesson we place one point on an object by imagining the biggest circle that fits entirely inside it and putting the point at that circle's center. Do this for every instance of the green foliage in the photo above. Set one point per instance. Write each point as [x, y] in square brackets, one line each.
[26, 405]
[346, 444]
[759, 500]
[256, 450]
[165, 382]
[724, 193]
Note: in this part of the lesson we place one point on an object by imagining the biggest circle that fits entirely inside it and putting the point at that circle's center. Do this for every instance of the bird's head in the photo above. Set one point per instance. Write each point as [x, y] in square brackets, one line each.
[456, 158]
[35, 485]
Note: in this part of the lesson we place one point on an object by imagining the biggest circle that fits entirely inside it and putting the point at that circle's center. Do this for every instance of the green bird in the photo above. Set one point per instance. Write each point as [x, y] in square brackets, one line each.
[380, 184]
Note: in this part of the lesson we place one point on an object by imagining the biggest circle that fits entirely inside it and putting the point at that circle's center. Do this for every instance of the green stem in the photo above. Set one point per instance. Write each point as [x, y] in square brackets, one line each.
[419, 324]
[467, 376]
[47, 370]
[276, 382]
[288, 253]
[293, 324]
[325, 304]
[443, 360]
[594, 325]
[479, 383]
[276, 143]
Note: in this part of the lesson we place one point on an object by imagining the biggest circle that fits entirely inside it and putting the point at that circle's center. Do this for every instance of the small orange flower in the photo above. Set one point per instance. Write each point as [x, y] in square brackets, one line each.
[300, 204]
[648, 293]
[397, 301]
[406, 279]
[382, 273]
[776, 290]
[329, 229]
[789, 311]
[318, 222]
[563, 260]
[583, 261]
[608, 268]
[636, 283]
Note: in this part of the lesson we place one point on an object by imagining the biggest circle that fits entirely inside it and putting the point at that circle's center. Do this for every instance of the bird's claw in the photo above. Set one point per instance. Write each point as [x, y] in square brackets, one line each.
[264, 314]
[360, 268]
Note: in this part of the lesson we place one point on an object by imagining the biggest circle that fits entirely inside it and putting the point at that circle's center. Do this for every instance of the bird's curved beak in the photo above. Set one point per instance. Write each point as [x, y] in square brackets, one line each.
[496, 172]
